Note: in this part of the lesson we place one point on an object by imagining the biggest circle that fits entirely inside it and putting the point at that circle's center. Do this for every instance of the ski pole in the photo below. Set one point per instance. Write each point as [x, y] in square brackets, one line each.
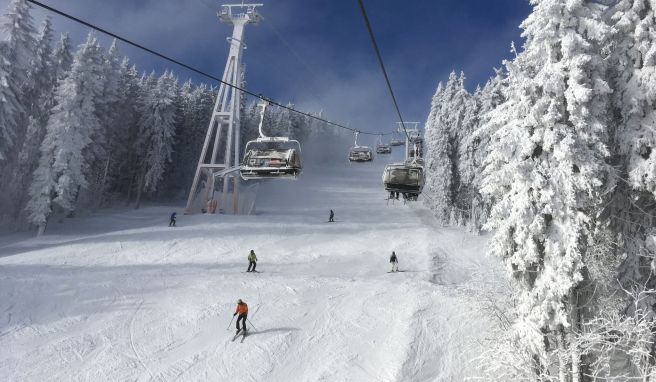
[230, 324]
[249, 321]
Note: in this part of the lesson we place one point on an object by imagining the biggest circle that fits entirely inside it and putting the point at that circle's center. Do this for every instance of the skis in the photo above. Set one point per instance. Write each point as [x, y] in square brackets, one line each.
[242, 333]
[253, 272]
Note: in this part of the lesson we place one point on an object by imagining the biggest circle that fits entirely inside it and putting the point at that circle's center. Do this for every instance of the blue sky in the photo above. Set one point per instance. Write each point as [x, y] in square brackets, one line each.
[421, 42]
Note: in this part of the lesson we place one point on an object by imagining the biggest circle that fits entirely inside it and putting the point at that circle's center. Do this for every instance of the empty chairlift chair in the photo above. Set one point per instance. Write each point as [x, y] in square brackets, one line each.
[382, 148]
[271, 157]
[360, 153]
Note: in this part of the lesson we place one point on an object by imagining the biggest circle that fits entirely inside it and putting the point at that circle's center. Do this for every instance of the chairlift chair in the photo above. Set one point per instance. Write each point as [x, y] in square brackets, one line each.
[271, 157]
[406, 178]
[360, 153]
[382, 148]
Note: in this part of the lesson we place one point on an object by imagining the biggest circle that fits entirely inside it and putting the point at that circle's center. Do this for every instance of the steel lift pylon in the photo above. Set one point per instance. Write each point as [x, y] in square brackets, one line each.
[225, 120]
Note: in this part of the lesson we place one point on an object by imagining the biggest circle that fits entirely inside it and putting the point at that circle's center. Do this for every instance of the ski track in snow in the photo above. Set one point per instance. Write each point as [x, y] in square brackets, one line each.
[119, 295]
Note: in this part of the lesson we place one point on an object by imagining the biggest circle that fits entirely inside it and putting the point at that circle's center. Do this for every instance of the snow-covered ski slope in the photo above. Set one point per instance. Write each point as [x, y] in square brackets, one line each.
[120, 296]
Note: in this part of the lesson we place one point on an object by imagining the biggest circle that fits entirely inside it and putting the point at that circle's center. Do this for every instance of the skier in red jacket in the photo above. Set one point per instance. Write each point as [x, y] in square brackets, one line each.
[242, 311]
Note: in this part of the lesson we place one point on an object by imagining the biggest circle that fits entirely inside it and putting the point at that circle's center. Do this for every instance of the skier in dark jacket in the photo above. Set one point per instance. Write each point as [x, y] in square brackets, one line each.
[331, 218]
[395, 262]
[172, 222]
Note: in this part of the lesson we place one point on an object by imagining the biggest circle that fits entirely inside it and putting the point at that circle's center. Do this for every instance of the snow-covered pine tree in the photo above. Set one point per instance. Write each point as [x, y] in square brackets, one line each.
[122, 170]
[157, 132]
[490, 97]
[63, 164]
[468, 198]
[17, 52]
[444, 133]
[632, 204]
[10, 110]
[107, 138]
[438, 161]
[546, 171]
[454, 111]
[62, 57]
[40, 83]
[191, 127]
[38, 96]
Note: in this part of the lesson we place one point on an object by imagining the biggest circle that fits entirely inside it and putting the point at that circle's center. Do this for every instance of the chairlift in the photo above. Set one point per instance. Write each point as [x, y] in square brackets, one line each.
[271, 157]
[396, 141]
[405, 178]
[382, 148]
[360, 153]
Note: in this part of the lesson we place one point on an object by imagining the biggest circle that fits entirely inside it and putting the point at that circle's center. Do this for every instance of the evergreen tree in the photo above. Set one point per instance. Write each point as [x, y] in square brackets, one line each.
[546, 171]
[62, 58]
[438, 159]
[39, 97]
[17, 52]
[10, 109]
[108, 136]
[157, 132]
[63, 166]
[632, 204]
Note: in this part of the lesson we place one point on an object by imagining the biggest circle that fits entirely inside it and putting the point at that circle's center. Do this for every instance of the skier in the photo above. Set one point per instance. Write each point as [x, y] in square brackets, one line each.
[252, 261]
[172, 222]
[242, 310]
[395, 262]
[332, 215]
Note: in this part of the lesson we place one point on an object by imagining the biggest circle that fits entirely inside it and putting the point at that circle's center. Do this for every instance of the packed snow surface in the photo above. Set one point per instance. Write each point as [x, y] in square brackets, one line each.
[121, 296]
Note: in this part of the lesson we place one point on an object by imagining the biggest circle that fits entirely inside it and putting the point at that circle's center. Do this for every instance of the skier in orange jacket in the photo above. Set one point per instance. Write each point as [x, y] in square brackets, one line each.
[242, 310]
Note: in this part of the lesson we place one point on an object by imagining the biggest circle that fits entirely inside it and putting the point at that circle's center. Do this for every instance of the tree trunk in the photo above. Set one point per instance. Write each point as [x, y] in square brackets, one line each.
[101, 189]
[574, 330]
[41, 230]
[130, 187]
[139, 191]
[563, 361]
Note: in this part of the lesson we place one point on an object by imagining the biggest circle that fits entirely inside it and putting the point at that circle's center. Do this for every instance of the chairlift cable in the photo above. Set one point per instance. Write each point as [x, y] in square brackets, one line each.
[192, 69]
[382, 65]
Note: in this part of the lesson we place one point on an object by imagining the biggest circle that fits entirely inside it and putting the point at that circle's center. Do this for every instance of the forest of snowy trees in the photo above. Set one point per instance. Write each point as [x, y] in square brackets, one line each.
[82, 128]
[555, 156]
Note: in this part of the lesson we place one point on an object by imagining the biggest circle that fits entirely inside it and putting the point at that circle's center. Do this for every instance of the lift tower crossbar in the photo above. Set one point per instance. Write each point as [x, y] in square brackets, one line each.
[225, 116]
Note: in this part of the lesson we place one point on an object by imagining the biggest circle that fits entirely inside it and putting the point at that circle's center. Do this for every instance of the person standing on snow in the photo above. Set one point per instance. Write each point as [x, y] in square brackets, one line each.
[252, 261]
[395, 262]
[172, 222]
[332, 215]
[242, 311]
